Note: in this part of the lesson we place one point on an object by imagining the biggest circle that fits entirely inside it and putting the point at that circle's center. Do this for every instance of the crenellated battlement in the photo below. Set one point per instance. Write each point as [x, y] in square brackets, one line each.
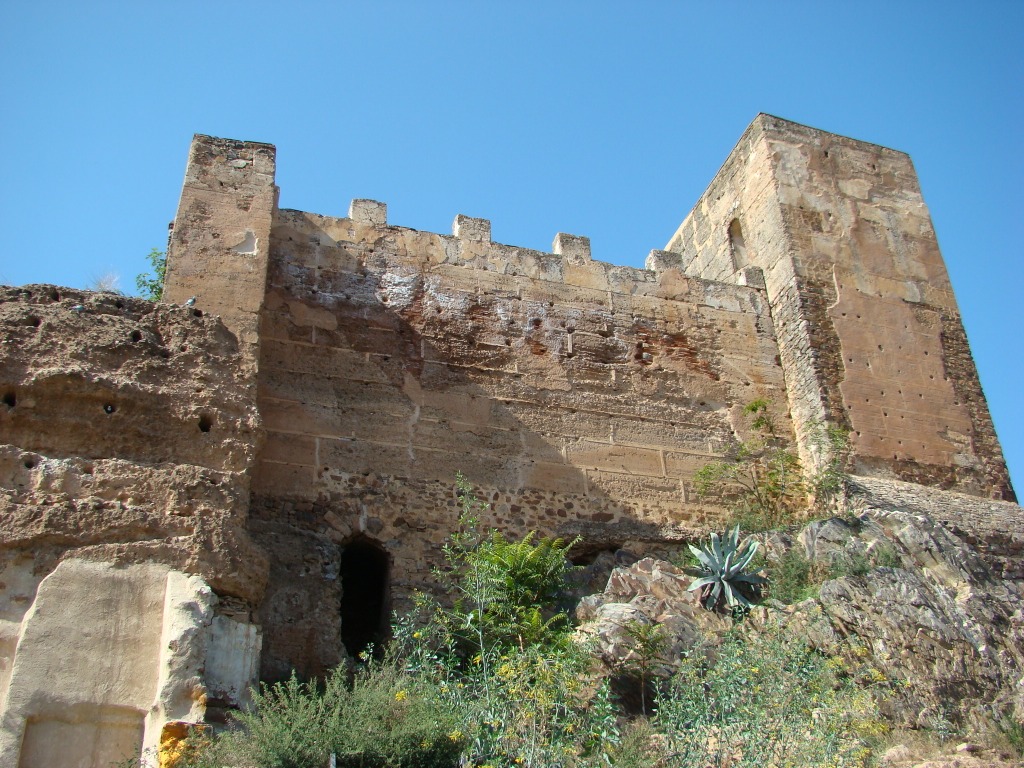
[470, 245]
[580, 397]
[815, 235]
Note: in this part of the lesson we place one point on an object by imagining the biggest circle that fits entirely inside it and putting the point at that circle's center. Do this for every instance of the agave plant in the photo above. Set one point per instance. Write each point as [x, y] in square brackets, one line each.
[724, 561]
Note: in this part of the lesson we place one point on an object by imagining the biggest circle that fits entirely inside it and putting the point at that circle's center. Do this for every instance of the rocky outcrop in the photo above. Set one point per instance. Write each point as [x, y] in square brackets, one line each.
[648, 593]
[917, 608]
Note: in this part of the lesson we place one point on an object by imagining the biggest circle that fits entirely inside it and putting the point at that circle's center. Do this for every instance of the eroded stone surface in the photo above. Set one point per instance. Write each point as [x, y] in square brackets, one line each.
[127, 431]
[940, 622]
[126, 434]
[108, 655]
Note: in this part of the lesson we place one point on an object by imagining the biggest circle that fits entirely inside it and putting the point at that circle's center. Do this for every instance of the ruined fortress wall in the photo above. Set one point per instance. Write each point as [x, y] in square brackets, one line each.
[128, 428]
[276, 463]
[220, 238]
[578, 397]
[869, 331]
[128, 431]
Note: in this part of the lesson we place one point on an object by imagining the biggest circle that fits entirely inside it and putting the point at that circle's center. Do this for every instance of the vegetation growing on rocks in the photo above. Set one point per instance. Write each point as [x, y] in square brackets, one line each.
[491, 675]
[725, 578]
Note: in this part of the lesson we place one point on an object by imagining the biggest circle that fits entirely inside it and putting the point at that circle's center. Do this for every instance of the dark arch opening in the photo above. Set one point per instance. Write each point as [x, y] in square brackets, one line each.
[366, 596]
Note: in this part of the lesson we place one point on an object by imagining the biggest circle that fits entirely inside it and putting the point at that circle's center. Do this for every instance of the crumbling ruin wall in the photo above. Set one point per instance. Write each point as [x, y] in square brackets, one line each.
[127, 435]
[577, 396]
[869, 331]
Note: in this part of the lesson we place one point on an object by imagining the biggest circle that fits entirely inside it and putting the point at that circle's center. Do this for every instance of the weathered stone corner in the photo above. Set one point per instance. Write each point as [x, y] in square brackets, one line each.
[370, 212]
[467, 228]
[575, 249]
[662, 261]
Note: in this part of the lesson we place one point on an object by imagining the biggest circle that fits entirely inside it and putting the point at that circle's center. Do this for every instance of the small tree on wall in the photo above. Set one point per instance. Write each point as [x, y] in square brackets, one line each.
[151, 284]
[765, 478]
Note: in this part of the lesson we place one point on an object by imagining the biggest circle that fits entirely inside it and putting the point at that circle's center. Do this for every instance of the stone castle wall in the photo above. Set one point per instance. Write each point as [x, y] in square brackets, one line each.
[578, 398]
[268, 458]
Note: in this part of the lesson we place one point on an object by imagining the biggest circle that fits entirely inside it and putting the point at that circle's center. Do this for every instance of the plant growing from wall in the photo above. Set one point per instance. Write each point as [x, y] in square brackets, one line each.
[106, 282]
[151, 284]
[828, 482]
[763, 478]
[506, 591]
[726, 581]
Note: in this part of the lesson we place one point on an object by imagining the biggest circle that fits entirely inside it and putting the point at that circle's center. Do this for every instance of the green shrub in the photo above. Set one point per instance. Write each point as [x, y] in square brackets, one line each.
[1013, 732]
[790, 577]
[850, 564]
[639, 747]
[765, 700]
[502, 654]
[886, 557]
[534, 706]
[151, 285]
[284, 729]
[793, 578]
[391, 718]
[648, 642]
[763, 481]
[505, 592]
[828, 482]
[384, 717]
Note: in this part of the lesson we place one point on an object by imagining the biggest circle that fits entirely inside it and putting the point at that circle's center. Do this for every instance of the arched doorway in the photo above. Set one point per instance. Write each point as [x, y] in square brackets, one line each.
[365, 596]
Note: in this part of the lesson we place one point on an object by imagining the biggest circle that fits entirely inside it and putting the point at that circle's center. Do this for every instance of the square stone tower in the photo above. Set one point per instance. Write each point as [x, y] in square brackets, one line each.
[869, 332]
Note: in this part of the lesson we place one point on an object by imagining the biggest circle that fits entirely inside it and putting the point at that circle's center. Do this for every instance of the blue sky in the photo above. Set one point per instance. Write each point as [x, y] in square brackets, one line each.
[594, 118]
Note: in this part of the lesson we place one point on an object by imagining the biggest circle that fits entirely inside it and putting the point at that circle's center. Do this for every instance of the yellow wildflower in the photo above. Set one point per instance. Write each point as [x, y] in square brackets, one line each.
[401, 696]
